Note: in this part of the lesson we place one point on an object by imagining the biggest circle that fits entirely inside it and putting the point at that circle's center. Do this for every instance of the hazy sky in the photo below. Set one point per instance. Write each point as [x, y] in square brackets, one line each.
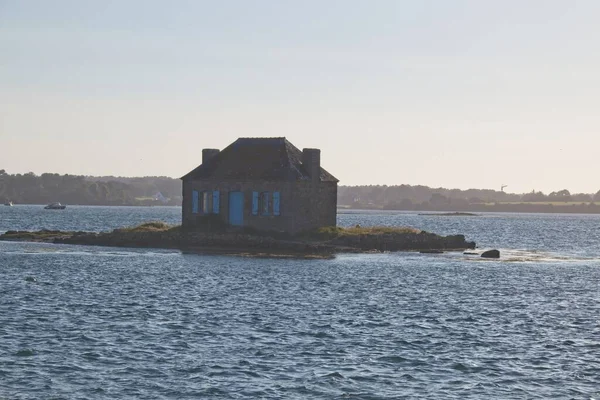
[451, 93]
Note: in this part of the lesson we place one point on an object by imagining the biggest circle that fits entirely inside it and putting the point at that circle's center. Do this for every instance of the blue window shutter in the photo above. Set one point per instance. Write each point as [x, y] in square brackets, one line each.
[276, 197]
[195, 202]
[254, 203]
[216, 202]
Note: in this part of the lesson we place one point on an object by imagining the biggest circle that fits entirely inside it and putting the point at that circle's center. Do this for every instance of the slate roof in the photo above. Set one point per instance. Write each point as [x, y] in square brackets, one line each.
[256, 159]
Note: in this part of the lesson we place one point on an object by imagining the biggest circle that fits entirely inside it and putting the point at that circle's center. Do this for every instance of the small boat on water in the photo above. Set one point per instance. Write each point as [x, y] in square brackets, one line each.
[9, 204]
[55, 206]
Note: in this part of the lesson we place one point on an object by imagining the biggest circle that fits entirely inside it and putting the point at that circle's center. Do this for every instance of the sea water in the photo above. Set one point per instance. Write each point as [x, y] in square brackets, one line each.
[94, 322]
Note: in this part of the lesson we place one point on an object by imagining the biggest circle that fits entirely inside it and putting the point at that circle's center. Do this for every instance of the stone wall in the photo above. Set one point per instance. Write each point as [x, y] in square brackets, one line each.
[303, 204]
[282, 222]
[315, 205]
[186, 202]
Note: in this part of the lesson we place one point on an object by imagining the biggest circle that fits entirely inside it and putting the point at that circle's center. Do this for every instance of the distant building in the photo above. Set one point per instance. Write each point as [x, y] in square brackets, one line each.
[159, 197]
[263, 183]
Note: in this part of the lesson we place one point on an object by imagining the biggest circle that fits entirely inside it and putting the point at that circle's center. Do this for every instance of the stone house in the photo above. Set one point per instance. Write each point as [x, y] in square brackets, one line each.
[262, 183]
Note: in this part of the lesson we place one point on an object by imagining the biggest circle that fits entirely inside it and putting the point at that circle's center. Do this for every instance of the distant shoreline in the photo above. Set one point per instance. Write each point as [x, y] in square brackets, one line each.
[520, 208]
[515, 208]
[69, 189]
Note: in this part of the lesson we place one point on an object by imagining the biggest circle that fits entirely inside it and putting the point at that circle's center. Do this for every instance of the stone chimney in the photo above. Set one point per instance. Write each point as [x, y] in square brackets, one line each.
[207, 154]
[311, 159]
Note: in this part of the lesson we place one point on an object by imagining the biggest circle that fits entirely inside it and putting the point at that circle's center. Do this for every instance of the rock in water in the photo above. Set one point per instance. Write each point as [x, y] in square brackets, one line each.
[491, 254]
[30, 279]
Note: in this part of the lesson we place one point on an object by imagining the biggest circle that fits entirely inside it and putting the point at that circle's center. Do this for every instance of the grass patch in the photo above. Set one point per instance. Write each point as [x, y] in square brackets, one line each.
[153, 226]
[332, 232]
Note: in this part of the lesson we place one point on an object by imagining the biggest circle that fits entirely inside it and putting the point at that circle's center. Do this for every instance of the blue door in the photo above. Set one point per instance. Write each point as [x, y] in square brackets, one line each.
[236, 208]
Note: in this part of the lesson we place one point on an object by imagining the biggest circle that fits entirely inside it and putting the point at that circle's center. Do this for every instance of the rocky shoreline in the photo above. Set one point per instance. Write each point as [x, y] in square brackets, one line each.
[320, 244]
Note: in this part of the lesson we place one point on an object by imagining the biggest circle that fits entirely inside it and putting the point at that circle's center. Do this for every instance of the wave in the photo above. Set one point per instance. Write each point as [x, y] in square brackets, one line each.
[39, 249]
[532, 256]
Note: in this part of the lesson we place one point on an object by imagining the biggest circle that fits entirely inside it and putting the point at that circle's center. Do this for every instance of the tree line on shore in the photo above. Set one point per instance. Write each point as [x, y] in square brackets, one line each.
[423, 198]
[46, 188]
[30, 188]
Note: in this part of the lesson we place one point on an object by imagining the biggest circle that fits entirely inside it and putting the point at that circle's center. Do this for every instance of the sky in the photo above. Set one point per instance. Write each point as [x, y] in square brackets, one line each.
[457, 94]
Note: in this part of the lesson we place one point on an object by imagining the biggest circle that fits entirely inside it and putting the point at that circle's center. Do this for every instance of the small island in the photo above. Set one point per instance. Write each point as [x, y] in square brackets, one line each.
[259, 196]
[321, 243]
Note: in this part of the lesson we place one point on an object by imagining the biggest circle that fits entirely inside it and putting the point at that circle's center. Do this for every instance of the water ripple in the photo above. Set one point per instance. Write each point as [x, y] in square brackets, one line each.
[98, 323]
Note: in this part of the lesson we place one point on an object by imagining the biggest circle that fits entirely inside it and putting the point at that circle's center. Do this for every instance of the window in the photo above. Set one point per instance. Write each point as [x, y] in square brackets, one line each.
[206, 198]
[265, 203]
[206, 202]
